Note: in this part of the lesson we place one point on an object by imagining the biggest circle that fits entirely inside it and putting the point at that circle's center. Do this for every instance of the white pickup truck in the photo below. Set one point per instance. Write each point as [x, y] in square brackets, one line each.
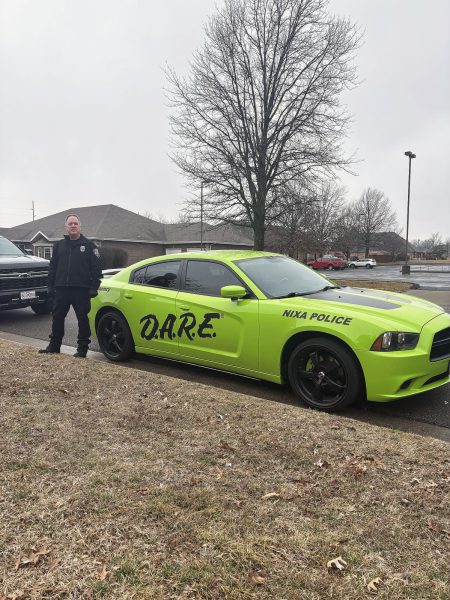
[369, 263]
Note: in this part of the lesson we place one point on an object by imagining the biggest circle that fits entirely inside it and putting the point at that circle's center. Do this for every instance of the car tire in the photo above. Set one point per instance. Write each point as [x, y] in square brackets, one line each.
[324, 374]
[43, 309]
[368, 266]
[330, 268]
[114, 337]
[352, 266]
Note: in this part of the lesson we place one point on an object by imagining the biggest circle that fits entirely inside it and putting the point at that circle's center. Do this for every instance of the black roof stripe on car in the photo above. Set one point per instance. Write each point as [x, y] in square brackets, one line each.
[350, 298]
[378, 294]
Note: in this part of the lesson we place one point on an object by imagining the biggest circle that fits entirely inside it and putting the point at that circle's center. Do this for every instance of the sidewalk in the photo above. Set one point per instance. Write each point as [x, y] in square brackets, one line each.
[438, 297]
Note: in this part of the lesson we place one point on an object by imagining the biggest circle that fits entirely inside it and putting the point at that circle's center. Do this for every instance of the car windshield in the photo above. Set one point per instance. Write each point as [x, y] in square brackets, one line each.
[282, 277]
[7, 248]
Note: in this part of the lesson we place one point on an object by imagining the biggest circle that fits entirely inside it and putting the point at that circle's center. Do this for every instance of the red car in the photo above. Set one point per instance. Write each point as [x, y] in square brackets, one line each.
[332, 263]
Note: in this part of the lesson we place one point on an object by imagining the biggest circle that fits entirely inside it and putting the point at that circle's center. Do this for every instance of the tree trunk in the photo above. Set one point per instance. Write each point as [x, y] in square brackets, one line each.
[258, 232]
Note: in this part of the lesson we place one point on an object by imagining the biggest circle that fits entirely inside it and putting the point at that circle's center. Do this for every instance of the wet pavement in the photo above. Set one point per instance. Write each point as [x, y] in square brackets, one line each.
[426, 277]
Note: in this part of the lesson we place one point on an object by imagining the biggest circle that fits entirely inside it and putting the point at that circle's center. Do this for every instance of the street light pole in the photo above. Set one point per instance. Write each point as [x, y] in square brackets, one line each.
[406, 269]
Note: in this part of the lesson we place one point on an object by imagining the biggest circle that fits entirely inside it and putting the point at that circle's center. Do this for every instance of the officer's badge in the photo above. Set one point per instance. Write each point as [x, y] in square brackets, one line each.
[82, 248]
[95, 251]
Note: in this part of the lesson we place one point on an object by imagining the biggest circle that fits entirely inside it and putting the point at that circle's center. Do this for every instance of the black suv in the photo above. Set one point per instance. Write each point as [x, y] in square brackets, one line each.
[23, 280]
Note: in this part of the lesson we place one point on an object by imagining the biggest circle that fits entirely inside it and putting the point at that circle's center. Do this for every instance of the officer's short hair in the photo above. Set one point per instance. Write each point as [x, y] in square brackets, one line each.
[72, 215]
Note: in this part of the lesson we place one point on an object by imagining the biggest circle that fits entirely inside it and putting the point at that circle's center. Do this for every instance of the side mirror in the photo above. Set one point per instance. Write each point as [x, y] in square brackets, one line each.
[234, 292]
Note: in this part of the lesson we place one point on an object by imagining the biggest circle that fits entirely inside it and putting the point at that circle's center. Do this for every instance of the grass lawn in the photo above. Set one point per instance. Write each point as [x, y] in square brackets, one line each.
[390, 286]
[120, 484]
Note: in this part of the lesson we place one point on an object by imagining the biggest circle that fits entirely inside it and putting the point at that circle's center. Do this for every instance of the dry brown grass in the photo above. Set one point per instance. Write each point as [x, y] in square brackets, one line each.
[124, 485]
[390, 286]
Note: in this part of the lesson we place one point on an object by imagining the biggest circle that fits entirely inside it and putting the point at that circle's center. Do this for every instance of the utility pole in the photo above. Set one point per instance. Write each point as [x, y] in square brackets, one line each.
[32, 208]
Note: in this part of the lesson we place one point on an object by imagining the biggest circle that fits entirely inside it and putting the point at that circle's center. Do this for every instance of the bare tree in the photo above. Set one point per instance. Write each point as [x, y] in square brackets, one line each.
[346, 231]
[323, 216]
[436, 244]
[261, 106]
[288, 233]
[374, 215]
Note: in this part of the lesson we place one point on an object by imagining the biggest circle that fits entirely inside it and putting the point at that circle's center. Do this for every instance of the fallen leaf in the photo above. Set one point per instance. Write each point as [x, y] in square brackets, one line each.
[301, 481]
[103, 574]
[226, 446]
[336, 563]
[54, 563]
[256, 579]
[372, 586]
[219, 473]
[16, 566]
[431, 526]
[270, 496]
[33, 558]
[36, 591]
[321, 463]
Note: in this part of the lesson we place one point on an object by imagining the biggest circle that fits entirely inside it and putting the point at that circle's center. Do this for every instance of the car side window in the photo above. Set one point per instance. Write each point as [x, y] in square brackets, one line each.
[207, 277]
[163, 275]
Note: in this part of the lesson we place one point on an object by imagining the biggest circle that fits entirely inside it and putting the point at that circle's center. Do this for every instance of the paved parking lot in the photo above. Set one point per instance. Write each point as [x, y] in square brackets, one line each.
[436, 279]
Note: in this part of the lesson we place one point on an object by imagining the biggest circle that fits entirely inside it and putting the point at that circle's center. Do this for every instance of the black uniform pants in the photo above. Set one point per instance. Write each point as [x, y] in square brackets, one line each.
[64, 299]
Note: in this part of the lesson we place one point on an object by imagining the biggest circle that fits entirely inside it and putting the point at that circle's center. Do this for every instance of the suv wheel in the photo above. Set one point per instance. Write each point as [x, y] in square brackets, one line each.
[43, 309]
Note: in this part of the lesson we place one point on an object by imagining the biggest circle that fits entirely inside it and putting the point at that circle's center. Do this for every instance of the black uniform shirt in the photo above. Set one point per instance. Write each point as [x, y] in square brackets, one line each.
[75, 263]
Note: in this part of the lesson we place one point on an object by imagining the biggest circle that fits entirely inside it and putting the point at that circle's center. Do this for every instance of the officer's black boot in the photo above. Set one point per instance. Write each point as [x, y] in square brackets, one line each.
[51, 349]
[81, 352]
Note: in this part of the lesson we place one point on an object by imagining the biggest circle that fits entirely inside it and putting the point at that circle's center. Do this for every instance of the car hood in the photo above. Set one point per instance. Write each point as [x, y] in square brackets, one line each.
[22, 262]
[405, 311]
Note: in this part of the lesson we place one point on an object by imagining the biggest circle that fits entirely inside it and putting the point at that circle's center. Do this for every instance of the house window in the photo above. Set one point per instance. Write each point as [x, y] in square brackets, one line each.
[44, 251]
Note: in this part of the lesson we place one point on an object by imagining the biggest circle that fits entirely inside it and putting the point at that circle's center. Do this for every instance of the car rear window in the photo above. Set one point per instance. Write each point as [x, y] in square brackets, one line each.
[163, 275]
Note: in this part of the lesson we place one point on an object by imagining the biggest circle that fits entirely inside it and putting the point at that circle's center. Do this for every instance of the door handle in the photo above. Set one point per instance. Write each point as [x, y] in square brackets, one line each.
[128, 296]
[185, 308]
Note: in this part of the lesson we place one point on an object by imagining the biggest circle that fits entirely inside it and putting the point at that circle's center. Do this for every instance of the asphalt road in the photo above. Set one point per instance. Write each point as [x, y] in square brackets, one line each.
[426, 414]
[434, 278]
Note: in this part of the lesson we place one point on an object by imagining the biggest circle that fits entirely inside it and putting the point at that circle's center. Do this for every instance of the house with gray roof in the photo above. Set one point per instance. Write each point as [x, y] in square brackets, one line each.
[125, 237]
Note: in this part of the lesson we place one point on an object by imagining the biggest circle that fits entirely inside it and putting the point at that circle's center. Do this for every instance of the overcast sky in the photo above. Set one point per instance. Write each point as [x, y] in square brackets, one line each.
[84, 119]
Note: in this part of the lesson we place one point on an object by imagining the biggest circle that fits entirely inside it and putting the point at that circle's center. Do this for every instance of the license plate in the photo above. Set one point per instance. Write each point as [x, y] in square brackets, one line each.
[28, 295]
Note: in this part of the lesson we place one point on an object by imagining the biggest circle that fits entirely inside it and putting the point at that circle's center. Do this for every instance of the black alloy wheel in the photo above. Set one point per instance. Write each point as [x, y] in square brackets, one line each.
[352, 266]
[114, 337]
[330, 268]
[324, 374]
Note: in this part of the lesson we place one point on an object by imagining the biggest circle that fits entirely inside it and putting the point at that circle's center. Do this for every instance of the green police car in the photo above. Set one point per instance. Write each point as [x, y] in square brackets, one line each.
[267, 316]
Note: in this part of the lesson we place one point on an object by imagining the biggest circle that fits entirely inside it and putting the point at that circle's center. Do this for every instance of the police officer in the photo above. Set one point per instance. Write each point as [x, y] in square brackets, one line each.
[74, 278]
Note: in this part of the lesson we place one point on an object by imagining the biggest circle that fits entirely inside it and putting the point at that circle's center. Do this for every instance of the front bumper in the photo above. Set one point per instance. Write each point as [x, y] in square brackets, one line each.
[10, 299]
[394, 375]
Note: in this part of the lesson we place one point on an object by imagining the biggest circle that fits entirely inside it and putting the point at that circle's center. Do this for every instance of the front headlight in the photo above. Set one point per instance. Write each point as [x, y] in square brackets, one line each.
[395, 340]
